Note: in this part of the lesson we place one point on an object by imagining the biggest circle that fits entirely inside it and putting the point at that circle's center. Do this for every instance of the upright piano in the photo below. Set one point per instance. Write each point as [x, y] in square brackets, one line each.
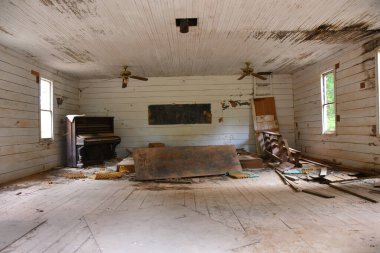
[90, 140]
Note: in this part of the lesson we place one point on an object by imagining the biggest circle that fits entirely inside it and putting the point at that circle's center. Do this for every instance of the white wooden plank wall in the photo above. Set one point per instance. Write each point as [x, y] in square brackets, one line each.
[130, 108]
[354, 145]
[21, 152]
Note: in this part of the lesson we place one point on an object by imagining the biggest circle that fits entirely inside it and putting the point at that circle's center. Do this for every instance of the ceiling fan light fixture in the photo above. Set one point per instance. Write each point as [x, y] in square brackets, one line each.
[126, 74]
[125, 83]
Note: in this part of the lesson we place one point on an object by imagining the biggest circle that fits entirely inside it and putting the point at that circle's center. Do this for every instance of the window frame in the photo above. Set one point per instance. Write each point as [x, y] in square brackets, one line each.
[377, 81]
[323, 104]
[49, 139]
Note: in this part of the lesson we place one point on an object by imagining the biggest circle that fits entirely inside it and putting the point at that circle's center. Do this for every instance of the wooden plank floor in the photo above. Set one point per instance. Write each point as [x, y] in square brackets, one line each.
[275, 218]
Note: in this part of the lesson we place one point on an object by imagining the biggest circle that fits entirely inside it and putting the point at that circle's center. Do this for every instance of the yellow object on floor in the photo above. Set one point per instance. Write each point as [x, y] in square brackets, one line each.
[237, 174]
[74, 175]
[127, 165]
[108, 175]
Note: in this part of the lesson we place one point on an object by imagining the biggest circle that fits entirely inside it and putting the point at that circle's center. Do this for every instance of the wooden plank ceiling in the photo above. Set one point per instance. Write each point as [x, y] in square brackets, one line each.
[93, 38]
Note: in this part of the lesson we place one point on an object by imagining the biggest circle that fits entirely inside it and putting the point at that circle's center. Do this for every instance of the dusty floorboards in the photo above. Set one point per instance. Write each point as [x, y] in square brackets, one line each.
[272, 216]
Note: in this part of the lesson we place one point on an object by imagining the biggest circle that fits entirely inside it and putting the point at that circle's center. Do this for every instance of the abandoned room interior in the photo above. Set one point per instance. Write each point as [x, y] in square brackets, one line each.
[189, 126]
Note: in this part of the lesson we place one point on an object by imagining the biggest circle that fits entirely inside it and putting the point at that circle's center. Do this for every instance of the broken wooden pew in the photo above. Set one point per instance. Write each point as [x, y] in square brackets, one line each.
[180, 162]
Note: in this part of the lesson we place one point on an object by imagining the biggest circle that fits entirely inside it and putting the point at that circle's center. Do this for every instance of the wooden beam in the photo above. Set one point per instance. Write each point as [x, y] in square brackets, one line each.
[353, 193]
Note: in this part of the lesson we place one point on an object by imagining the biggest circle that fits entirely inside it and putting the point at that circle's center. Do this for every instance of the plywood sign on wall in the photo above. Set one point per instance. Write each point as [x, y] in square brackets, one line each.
[265, 106]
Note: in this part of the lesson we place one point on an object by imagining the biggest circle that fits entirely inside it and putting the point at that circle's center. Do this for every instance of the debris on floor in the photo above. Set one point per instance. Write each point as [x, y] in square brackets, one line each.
[108, 170]
[313, 173]
[293, 178]
[175, 181]
[237, 174]
[286, 165]
[74, 175]
[127, 165]
[323, 172]
[291, 171]
[344, 189]
[108, 175]
[211, 160]
[298, 188]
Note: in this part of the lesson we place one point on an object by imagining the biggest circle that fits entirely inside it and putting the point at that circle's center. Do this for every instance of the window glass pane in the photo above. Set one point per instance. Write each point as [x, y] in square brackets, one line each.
[329, 118]
[45, 99]
[378, 91]
[329, 88]
[46, 124]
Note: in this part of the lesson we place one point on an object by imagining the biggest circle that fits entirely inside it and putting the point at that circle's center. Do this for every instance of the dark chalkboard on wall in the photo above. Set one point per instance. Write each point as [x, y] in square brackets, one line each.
[174, 114]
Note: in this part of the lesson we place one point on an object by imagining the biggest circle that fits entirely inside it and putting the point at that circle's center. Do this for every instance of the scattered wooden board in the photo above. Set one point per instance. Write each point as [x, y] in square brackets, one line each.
[237, 174]
[332, 178]
[345, 176]
[287, 165]
[349, 191]
[293, 178]
[299, 189]
[343, 189]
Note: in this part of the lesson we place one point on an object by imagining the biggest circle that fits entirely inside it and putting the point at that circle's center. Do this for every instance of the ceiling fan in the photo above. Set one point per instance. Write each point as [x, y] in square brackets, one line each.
[126, 74]
[248, 70]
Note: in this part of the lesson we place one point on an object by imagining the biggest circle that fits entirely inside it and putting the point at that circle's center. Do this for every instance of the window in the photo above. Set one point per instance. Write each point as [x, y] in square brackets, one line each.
[46, 109]
[328, 102]
[378, 89]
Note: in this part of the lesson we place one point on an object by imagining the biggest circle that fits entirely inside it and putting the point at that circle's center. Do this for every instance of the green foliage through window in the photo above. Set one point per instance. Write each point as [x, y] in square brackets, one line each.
[328, 102]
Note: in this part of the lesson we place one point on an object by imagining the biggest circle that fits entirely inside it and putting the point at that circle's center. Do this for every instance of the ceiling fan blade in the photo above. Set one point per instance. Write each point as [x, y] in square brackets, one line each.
[242, 76]
[139, 78]
[259, 76]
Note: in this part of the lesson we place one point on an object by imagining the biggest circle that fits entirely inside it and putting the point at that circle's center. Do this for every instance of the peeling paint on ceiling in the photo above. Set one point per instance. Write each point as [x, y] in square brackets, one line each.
[89, 38]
